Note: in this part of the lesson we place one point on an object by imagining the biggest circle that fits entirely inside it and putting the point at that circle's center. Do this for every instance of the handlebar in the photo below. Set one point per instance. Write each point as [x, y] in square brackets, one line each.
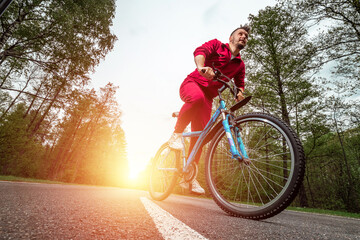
[218, 75]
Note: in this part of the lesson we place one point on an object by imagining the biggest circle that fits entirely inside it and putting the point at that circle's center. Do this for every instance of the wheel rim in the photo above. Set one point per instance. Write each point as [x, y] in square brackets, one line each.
[254, 187]
[164, 173]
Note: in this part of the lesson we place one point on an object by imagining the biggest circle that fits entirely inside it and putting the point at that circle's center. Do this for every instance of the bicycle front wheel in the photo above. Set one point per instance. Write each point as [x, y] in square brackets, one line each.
[267, 183]
[164, 172]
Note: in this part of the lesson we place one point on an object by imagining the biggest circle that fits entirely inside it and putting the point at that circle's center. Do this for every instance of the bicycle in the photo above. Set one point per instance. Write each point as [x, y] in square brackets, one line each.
[254, 166]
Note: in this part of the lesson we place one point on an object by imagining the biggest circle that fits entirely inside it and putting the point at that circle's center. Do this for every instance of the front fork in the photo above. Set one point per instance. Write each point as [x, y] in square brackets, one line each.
[239, 155]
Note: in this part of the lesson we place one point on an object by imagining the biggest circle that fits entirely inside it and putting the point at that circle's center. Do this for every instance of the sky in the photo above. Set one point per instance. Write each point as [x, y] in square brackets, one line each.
[154, 54]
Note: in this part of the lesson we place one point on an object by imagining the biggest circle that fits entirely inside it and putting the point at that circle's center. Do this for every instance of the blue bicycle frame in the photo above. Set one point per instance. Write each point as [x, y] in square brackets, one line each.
[202, 134]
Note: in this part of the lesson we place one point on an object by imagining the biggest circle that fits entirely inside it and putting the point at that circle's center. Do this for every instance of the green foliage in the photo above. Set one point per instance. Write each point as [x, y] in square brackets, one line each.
[334, 183]
[91, 145]
[65, 37]
[51, 125]
[47, 48]
[19, 152]
[337, 24]
[279, 61]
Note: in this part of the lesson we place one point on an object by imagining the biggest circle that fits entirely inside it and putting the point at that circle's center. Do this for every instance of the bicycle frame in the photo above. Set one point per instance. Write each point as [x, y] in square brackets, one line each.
[202, 135]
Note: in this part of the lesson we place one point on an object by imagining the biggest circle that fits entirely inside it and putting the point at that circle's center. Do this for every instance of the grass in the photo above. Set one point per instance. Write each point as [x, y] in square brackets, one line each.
[298, 209]
[21, 179]
[324, 211]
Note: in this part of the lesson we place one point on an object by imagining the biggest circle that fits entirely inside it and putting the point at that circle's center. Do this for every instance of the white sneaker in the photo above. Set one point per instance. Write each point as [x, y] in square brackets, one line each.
[196, 188]
[175, 142]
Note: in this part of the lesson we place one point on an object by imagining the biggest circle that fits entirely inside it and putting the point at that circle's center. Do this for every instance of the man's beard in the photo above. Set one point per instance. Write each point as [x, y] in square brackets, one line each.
[240, 46]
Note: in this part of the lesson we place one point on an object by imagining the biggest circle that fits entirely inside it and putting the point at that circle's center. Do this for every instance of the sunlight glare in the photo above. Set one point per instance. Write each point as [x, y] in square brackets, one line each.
[133, 174]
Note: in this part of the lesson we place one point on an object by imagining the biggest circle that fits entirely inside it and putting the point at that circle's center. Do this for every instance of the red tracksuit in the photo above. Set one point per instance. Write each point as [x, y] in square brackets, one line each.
[198, 92]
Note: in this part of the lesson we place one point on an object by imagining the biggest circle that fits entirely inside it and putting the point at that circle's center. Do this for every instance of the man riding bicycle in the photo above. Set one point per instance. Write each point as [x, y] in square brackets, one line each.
[198, 90]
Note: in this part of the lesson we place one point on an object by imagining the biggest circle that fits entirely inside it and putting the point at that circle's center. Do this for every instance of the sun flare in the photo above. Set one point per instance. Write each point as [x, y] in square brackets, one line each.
[133, 174]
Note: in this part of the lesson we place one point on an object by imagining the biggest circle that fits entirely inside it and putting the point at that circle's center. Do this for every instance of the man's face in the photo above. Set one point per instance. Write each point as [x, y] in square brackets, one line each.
[239, 38]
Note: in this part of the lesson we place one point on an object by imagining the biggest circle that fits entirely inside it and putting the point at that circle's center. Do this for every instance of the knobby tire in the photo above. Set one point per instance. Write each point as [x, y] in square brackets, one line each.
[271, 181]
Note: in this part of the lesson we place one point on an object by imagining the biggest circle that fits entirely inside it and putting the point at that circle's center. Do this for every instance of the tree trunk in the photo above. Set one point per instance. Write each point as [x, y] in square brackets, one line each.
[38, 124]
[65, 150]
[33, 100]
[6, 76]
[14, 101]
[349, 183]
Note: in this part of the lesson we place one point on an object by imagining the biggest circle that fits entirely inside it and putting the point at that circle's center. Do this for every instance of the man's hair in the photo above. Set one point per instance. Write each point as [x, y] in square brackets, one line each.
[245, 27]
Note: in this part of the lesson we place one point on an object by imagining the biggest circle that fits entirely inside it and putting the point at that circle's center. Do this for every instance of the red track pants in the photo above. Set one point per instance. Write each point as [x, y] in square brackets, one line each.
[196, 110]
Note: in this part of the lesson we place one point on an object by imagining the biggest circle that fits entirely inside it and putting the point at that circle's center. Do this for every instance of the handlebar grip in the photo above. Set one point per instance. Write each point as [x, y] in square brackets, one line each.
[216, 72]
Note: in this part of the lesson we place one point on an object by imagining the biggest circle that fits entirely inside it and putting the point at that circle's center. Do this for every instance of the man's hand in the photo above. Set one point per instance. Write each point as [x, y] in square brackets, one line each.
[240, 95]
[206, 72]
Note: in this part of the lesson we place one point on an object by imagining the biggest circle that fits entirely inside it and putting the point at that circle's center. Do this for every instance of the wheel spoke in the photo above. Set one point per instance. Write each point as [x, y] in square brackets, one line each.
[164, 173]
[268, 164]
[252, 180]
[251, 189]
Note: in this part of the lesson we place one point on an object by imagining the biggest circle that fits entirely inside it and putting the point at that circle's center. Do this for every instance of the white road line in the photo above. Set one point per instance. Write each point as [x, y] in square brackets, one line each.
[167, 225]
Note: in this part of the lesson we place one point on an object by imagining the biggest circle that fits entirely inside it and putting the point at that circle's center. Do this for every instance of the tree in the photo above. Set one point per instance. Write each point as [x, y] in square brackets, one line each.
[47, 49]
[91, 145]
[335, 27]
[19, 153]
[280, 64]
[57, 35]
[279, 61]
[62, 40]
[339, 38]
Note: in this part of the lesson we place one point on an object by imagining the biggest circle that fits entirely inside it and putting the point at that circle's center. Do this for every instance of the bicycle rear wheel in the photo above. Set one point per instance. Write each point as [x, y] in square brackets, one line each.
[164, 172]
[270, 181]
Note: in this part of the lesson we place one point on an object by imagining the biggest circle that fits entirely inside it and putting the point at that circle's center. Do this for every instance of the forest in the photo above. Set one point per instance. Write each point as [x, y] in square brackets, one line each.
[290, 46]
[52, 124]
[302, 65]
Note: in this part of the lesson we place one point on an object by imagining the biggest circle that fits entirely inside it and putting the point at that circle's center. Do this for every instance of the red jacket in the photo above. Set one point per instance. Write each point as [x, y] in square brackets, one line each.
[219, 53]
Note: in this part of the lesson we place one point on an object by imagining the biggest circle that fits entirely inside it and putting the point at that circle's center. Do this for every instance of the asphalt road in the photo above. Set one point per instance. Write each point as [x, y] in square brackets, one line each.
[51, 211]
